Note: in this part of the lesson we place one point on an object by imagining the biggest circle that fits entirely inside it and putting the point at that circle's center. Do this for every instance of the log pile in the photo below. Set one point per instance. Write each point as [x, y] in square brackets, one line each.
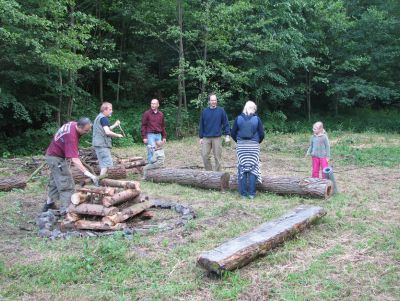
[108, 207]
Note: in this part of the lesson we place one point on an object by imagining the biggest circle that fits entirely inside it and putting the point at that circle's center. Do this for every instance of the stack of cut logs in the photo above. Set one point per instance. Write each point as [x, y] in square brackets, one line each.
[108, 207]
[118, 171]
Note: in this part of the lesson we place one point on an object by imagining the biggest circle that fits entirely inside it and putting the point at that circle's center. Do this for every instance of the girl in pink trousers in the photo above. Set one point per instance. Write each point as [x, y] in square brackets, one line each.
[319, 149]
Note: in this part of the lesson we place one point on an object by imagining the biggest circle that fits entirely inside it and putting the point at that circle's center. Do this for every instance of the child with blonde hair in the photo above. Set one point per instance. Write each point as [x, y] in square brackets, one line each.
[319, 149]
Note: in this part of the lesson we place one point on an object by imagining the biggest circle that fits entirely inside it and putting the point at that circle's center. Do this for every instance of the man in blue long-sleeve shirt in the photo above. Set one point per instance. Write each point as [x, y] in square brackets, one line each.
[213, 122]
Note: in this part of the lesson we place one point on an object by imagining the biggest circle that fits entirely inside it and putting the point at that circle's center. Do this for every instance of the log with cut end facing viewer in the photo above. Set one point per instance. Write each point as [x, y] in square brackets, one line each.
[311, 187]
[244, 249]
[195, 178]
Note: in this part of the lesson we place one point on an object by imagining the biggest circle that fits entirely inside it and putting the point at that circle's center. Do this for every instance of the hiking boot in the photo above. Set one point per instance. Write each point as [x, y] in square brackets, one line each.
[52, 206]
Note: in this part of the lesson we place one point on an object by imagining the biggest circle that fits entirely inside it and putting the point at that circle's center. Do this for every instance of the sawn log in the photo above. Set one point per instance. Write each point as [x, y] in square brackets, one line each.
[244, 249]
[8, 183]
[120, 184]
[311, 187]
[92, 209]
[127, 213]
[120, 197]
[196, 178]
[95, 225]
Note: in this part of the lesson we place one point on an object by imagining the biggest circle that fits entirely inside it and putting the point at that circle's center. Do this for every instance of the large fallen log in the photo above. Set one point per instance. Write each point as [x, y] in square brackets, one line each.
[244, 249]
[135, 164]
[92, 209]
[120, 197]
[127, 213]
[115, 172]
[130, 159]
[196, 178]
[95, 225]
[120, 184]
[311, 187]
[8, 183]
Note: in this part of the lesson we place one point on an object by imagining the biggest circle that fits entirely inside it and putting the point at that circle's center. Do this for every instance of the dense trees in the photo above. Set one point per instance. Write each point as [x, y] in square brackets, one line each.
[61, 58]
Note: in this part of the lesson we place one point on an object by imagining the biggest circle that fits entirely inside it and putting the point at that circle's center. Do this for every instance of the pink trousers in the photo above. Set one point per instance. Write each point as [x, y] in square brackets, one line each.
[317, 165]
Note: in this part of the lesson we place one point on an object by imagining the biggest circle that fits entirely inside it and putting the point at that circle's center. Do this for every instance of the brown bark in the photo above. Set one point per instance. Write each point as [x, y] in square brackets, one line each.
[120, 197]
[196, 178]
[96, 225]
[103, 191]
[129, 212]
[8, 183]
[130, 159]
[311, 187]
[120, 184]
[244, 249]
[135, 164]
[92, 209]
[114, 172]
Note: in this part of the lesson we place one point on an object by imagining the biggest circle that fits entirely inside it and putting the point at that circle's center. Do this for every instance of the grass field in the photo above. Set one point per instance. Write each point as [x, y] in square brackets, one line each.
[351, 254]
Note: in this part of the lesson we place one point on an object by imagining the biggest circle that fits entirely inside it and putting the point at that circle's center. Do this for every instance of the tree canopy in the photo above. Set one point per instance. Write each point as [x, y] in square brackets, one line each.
[62, 58]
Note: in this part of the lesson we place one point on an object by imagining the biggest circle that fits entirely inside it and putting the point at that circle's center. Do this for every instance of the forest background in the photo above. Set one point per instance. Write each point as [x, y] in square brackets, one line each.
[299, 60]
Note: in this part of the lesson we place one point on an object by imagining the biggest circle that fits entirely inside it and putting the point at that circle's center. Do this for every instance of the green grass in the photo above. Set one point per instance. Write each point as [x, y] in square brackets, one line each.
[350, 254]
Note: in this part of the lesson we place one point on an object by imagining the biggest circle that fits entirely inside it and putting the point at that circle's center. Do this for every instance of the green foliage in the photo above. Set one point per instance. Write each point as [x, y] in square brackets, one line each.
[61, 58]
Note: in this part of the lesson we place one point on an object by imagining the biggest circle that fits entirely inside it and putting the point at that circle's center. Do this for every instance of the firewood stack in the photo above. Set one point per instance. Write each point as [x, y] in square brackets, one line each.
[122, 166]
[108, 207]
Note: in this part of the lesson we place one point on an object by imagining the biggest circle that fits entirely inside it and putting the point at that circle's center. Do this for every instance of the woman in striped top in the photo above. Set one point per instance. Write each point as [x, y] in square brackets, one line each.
[248, 133]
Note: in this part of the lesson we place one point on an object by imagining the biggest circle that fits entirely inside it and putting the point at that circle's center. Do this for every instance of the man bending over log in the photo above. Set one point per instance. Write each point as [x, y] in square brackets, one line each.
[62, 149]
[102, 134]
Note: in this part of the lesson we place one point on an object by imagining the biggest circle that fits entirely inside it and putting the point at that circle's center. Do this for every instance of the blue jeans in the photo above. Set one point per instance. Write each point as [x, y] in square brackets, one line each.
[151, 142]
[247, 185]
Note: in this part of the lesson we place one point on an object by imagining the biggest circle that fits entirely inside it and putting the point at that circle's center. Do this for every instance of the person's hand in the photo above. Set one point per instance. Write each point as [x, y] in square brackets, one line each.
[201, 141]
[227, 139]
[164, 140]
[117, 123]
[145, 141]
[94, 178]
[327, 160]
[120, 136]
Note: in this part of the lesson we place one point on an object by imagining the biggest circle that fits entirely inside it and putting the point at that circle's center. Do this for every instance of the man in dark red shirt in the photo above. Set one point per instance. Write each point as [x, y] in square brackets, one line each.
[64, 147]
[153, 128]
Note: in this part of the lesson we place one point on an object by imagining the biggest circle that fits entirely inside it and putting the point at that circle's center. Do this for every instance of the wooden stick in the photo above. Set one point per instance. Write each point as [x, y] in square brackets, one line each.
[36, 171]
[123, 133]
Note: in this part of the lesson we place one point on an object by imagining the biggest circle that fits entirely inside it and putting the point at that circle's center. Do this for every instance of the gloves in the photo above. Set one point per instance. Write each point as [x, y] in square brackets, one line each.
[227, 139]
[93, 177]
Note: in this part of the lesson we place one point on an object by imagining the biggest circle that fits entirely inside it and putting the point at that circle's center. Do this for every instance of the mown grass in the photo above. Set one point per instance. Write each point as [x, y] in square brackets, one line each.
[351, 254]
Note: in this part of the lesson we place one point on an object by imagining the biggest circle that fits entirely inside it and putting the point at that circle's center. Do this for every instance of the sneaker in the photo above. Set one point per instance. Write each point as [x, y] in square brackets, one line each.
[251, 197]
[52, 206]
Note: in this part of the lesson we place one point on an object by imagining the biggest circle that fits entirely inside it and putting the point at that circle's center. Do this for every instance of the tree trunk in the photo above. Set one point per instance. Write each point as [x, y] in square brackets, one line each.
[308, 76]
[60, 99]
[242, 250]
[311, 187]
[98, 226]
[121, 184]
[101, 85]
[92, 209]
[130, 159]
[196, 178]
[128, 213]
[8, 183]
[120, 197]
[135, 164]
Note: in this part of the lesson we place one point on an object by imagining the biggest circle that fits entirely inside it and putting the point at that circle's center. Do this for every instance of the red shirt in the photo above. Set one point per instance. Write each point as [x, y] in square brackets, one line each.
[153, 122]
[65, 142]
